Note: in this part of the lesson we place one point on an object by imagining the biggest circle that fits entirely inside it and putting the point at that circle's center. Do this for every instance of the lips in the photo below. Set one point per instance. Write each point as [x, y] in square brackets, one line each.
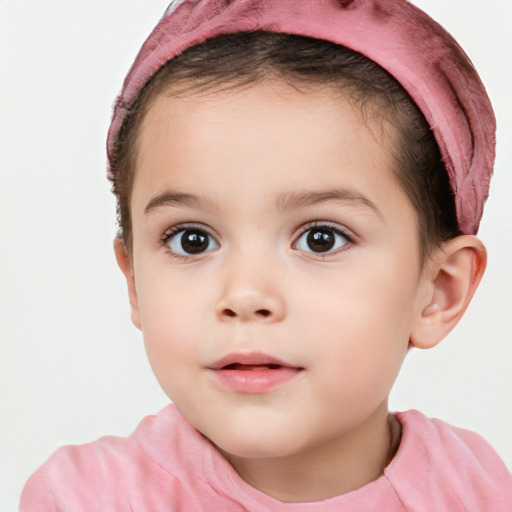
[252, 373]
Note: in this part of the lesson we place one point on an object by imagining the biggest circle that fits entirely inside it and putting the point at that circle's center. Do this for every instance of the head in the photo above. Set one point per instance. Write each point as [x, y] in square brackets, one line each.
[288, 229]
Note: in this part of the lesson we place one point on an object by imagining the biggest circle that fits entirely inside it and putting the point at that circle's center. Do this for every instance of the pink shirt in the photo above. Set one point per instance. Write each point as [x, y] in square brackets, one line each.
[166, 465]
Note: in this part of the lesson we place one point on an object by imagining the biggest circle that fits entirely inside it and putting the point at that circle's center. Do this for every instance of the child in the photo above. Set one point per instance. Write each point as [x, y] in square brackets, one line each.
[298, 187]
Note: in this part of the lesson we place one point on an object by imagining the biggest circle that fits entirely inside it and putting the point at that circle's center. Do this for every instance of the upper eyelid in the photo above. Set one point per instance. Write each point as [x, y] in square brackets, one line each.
[189, 225]
[326, 224]
[345, 232]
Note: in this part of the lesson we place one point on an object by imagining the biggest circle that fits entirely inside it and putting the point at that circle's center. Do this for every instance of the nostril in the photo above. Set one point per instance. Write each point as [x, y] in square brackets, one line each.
[245, 313]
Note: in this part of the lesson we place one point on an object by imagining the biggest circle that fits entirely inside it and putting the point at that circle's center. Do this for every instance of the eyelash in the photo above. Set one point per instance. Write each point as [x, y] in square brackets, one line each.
[328, 226]
[182, 228]
[325, 225]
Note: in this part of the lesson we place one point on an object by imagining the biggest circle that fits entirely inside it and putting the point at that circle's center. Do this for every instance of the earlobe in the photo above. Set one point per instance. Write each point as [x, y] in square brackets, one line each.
[450, 281]
[125, 263]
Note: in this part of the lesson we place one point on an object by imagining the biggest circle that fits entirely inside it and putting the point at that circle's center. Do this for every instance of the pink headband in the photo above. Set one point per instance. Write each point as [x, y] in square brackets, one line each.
[399, 37]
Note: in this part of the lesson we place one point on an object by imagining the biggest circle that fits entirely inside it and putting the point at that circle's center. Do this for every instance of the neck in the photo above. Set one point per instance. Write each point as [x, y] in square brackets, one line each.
[337, 466]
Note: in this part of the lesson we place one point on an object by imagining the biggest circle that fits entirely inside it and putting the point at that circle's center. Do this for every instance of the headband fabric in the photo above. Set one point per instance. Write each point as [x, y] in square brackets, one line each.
[402, 39]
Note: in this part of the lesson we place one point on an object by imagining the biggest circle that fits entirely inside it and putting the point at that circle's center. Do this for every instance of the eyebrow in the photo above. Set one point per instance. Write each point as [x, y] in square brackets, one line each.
[171, 198]
[296, 200]
[285, 202]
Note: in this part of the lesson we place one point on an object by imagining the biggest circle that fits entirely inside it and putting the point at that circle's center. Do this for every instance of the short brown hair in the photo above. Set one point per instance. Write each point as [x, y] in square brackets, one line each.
[245, 58]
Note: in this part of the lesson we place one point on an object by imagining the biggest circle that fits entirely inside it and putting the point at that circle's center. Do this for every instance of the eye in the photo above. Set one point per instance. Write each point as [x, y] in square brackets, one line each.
[322, 239]
[190, 241]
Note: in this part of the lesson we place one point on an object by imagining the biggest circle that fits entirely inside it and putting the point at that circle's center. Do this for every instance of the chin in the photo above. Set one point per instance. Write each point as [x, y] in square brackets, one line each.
[264, 443]
[257, 450]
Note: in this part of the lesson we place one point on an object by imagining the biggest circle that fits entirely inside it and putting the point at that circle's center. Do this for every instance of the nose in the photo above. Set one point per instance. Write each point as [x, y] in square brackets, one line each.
[251, 295]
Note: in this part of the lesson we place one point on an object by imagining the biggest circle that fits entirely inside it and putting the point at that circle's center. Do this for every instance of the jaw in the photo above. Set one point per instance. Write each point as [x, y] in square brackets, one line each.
[333, 467]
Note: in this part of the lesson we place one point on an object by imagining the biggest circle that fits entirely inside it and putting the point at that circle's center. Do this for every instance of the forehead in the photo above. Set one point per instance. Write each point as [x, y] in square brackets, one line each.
[263, 141]
[271, 119]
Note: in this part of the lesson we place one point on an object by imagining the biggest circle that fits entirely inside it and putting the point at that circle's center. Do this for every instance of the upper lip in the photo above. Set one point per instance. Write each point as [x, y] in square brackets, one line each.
[250, 358]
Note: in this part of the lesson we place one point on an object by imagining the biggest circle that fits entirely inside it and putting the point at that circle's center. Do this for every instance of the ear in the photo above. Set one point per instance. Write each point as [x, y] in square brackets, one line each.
[450, 279]
[125, 262]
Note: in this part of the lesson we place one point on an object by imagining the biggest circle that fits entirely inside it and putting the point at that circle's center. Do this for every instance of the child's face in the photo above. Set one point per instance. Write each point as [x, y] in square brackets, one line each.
[267, 229]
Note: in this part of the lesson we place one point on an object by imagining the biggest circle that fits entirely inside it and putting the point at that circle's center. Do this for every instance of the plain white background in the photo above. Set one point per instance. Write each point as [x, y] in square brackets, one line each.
[72, 368]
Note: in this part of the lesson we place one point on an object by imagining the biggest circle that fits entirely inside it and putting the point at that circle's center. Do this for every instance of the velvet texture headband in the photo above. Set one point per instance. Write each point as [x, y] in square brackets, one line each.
[401, 38]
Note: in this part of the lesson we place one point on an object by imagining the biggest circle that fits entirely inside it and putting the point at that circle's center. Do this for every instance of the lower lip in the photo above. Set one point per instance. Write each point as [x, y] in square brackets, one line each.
[254, 381]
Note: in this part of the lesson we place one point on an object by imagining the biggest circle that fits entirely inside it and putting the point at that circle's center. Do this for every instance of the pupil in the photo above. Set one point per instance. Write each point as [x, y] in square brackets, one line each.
[194, 242]
[320, 240]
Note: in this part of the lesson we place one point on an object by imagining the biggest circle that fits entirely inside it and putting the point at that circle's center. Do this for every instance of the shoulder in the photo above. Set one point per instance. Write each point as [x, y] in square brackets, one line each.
[452, 468]
[117, 471]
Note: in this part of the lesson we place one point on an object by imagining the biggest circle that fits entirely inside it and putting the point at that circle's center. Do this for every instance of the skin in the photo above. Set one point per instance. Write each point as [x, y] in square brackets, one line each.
[255, 168]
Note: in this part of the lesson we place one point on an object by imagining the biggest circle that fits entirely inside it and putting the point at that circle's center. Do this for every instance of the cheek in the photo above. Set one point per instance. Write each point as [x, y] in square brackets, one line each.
[368, 303]
[361, 320]
[169, 302]
[171, 316]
